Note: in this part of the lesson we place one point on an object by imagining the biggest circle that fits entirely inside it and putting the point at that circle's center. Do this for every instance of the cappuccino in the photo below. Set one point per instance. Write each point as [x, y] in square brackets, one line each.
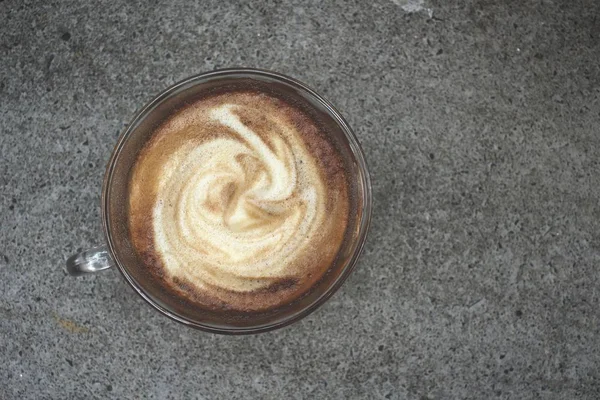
[238, 201]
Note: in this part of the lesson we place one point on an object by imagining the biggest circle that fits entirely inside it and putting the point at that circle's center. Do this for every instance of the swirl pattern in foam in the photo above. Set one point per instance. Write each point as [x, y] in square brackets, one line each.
[241, 201]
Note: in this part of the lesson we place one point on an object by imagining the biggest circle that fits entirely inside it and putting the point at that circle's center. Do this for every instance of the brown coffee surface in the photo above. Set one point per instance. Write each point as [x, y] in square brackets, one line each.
[238, 201]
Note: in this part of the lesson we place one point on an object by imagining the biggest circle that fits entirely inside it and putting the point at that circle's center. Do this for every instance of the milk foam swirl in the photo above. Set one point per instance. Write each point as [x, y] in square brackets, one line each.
[235, 211]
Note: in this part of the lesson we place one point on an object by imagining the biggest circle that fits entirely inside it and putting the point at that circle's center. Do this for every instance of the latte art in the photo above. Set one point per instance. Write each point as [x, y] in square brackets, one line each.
[244, 214]
[239, 215]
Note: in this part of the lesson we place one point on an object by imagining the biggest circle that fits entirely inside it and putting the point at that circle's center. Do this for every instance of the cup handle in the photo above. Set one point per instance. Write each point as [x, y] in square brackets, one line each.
[88, 261]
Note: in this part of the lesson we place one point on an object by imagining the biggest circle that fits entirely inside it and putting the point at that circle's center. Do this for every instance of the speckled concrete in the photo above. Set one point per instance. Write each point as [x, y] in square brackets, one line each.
[481, 124]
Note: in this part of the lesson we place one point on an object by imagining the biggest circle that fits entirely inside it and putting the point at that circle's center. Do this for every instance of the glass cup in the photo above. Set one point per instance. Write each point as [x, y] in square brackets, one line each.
[119, 252]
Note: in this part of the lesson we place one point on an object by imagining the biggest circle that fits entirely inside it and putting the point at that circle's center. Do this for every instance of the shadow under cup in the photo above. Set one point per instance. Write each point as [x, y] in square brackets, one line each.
[115, 201]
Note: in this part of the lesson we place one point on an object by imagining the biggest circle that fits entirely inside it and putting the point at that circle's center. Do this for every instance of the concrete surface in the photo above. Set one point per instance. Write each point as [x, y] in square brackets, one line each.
[480, 120]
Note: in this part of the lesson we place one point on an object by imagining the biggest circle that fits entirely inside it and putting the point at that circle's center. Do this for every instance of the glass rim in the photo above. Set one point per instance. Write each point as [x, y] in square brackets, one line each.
[357, 153]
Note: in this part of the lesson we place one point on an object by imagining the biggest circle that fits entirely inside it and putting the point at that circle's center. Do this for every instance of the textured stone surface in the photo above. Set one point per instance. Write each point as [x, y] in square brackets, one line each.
[481, 124]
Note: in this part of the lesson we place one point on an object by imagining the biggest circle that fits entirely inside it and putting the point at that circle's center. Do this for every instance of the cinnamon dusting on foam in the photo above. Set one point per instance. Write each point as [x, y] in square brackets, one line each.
[240, 201]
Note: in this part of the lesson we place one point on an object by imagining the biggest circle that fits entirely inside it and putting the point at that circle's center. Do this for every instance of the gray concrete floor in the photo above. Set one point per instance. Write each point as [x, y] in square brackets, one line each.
[481, 125]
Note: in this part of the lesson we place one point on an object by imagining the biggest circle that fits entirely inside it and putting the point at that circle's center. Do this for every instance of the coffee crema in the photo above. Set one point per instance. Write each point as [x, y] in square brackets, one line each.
[238, 201]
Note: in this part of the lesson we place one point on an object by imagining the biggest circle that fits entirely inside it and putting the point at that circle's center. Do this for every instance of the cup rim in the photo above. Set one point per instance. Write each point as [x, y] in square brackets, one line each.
[357, 152]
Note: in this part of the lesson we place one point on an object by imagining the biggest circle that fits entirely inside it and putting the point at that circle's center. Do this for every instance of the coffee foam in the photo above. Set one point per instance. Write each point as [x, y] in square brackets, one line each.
[241, 200]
